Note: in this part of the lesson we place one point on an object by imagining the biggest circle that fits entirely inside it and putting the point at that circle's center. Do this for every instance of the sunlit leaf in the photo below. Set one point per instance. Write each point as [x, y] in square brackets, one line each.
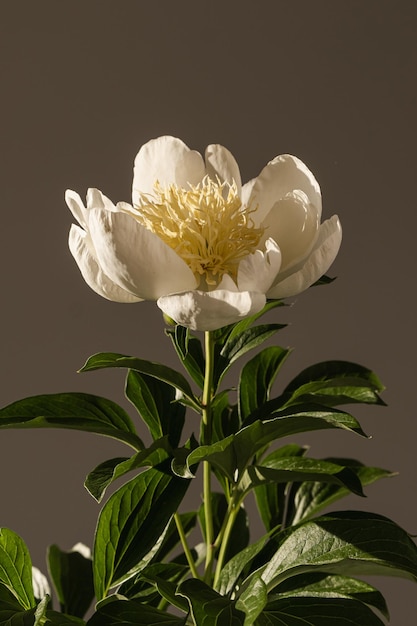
[77, 411]
[345, 542]
[270, 497]
[16, 568]
[156, 370]
[308, 498]
[130, 525]
[155, 402]
[317, 612]
[107, 472]
[333, 383]
[208, 608]
[328, 586]
[190, 352]
[295, 469]
[257, 378]
[127, 612]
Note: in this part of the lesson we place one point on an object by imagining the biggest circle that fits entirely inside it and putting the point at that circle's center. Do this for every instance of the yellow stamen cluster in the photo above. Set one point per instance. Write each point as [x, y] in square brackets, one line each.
[206, 225]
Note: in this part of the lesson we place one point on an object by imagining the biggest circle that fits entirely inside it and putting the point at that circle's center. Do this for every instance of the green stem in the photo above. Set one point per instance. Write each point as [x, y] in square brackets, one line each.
[184, 543]
[206, 433]
[224, 535]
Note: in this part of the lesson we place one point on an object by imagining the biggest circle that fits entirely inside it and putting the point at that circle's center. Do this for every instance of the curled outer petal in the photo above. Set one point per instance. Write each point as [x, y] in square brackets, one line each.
[209, 310]
[135, 258]
[82, 250]
[317, 264]
[280, 176]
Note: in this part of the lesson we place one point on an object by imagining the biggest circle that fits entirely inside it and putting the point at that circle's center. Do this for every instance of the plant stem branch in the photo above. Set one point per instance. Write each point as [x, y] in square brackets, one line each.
[206, 434]
[184, 543]
[224, 535]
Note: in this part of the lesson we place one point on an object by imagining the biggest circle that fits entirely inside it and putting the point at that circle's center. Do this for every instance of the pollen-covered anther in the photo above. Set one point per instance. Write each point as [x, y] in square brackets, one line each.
[206, 225]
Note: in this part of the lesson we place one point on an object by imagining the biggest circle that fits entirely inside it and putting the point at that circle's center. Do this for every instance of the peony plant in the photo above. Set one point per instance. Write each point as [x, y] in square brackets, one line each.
[216, 256]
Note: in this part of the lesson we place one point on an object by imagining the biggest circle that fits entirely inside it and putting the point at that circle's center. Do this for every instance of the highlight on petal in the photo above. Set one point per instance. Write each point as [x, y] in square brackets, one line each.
[293, 222]
[77, 208]
[82, 250]
[167, 160]
[209, 310]
[317, 264]
[258, 271]
[221, 164]
[97, 200]
[135, 258]
[281, 176]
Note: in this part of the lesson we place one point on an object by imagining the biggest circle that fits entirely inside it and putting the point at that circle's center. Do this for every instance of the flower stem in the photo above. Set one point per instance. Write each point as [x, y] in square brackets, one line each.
[206, 434]
[184, 543]
[224, 536]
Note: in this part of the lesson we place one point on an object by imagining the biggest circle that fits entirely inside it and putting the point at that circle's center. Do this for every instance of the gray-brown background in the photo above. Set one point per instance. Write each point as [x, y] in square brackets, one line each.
[83, 85]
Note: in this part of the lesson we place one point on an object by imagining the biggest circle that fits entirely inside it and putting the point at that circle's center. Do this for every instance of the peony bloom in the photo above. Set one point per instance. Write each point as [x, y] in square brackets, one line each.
[209, 250]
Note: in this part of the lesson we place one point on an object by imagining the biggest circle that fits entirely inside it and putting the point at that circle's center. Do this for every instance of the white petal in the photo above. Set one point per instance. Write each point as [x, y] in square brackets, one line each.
[247, 193]
[82, 250]
[167, 160]
[258, 271]
[209, 310]
[319, 261]
[280, 176]
[77, 208]
[84, 550]
[40, 584]
[222, 164]
[135, 258]
[293, 223]
[227, 283]
[97, 200]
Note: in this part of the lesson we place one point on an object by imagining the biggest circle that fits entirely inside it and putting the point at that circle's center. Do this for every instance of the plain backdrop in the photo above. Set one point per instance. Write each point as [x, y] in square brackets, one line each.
[83, 85]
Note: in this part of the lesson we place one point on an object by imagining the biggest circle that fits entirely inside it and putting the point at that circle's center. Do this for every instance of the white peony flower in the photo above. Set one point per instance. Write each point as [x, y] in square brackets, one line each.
[209, 250]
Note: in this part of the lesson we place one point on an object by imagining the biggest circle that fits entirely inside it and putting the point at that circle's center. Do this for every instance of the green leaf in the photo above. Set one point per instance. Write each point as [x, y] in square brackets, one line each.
[130, 525]
[270, 497]
[220, 454]
[225, 418]
[155, 402]
[252, 600]
[238, 345]
[257, 378]
[165, 578]
[324, 280]
[257, 435]
[333, 383]
[10, 617]
[16, 568]
[107, 472]
[235, 330]
[317, 612]
[156, 370]
[54, 618]
[239, 564]
[126, 612]
[307, 499]
[327, 586]
[346, 542]
[72, 576]
[155, 581]
[190, 352]
[79, 411]
[208, 608]
[294, 469]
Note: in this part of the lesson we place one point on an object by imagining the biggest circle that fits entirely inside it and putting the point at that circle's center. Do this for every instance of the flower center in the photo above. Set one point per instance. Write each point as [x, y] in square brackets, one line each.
[206, 225]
